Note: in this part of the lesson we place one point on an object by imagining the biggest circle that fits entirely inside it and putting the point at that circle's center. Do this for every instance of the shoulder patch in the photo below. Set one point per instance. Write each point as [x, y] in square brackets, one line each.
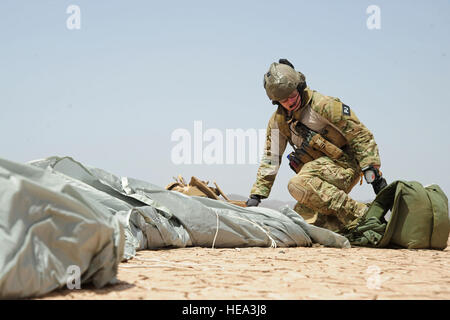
[345, 110]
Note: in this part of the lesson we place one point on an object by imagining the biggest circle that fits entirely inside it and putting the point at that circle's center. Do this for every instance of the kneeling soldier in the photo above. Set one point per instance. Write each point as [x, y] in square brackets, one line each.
[332, 148]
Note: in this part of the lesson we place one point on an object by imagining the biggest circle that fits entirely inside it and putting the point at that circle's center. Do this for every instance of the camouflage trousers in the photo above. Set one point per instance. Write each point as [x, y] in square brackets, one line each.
[321, 188]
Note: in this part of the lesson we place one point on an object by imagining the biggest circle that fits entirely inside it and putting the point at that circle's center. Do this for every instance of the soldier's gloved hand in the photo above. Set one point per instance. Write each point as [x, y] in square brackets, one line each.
[253, 201]
[373, 176]
[379, 184]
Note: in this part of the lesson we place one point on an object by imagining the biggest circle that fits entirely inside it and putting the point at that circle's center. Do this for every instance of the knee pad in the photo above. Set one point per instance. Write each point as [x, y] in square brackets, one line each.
[297, 189]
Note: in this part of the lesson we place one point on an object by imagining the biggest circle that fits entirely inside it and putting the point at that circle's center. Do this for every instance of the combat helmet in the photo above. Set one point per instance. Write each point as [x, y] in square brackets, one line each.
[282, 79]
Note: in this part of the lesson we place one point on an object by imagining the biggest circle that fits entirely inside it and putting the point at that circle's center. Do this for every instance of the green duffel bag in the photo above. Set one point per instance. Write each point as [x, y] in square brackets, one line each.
[419, 218]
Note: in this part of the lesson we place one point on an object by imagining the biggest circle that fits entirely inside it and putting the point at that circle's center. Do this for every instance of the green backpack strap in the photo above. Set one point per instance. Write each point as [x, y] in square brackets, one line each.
[390, 199]
[370, 229]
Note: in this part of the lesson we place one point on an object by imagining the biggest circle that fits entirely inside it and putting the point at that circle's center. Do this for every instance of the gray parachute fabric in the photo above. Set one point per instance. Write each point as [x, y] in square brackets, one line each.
[196, 221]
[47, 224]
[57, 213]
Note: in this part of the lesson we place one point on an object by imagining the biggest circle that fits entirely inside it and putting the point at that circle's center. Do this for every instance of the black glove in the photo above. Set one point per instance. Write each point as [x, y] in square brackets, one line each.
[253, 200]
[379, 184]
[373, 176]
[286, 62]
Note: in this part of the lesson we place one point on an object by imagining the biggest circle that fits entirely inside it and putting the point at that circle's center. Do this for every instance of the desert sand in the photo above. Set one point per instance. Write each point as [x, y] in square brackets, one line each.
[277, 273]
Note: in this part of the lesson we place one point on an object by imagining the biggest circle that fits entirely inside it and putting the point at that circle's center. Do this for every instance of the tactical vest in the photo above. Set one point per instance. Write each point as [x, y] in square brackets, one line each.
[311, 135]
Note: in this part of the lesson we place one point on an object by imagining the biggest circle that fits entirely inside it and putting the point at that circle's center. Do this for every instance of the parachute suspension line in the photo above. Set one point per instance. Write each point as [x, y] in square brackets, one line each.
[273, 243]
[217, 230]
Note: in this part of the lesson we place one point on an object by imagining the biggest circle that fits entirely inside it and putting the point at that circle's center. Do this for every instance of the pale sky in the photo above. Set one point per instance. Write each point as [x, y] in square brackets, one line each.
[111, 93]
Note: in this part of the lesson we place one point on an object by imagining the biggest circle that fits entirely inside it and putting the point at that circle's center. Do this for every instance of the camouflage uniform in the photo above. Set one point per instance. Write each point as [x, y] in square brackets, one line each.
[322, 185]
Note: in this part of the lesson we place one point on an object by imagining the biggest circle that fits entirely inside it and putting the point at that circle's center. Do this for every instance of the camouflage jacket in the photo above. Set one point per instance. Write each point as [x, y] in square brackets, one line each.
[316, 111]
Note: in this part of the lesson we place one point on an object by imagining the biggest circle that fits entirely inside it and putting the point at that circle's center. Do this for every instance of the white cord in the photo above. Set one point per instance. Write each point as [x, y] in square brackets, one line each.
[273, 243]
[217, 230]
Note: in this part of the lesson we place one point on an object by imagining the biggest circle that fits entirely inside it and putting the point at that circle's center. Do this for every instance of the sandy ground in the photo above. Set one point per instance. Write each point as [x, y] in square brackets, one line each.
[277, 273]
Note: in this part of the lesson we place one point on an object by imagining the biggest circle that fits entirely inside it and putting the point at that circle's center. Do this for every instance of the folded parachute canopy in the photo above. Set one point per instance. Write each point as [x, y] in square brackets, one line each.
[47, 224]
[57, 213]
